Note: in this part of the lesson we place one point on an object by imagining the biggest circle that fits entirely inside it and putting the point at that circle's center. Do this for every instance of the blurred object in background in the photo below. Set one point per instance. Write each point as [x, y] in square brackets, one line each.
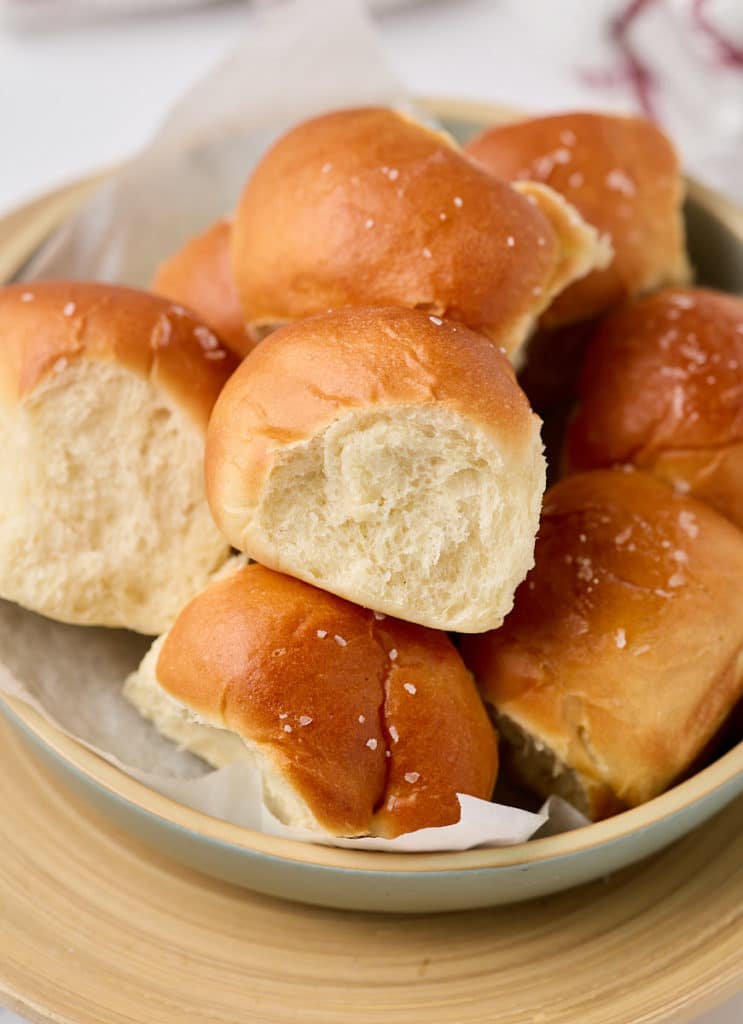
[114, 77]
[49, 13]
[681, 63]
[678, 61]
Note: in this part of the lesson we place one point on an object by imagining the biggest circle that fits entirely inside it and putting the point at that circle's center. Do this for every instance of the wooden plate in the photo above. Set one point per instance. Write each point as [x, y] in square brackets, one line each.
[97, 928]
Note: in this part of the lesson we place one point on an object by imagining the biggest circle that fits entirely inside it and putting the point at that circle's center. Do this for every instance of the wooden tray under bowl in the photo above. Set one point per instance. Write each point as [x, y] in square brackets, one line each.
[98, 929]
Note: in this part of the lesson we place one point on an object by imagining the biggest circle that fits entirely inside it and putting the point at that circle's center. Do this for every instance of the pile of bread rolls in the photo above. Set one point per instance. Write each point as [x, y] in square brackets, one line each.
[330, 384]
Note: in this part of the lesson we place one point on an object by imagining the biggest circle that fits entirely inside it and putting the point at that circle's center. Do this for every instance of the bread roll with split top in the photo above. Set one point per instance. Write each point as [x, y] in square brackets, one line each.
[622, 175]
[362, 725]
[623, 655]
[386, 456]
[200, 276]
[105, 394]
[366, 207]
[662, 388]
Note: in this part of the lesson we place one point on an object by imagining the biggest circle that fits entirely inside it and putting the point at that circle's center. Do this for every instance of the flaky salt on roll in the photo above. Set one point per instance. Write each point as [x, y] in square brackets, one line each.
[386, 456]
[105, 394]
[622, 175]
[199, 276]
[622, 656]
[662, 388]
[366, 207]
[361, 725]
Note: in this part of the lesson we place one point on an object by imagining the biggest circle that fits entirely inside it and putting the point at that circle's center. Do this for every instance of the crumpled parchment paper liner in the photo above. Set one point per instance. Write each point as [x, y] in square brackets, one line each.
[299, 59]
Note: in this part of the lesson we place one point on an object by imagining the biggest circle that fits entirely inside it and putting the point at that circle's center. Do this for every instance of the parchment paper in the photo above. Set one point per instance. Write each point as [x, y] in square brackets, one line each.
[300, 58]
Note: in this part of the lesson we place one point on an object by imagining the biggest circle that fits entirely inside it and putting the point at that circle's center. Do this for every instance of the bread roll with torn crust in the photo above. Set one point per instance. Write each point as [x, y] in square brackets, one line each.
[200, 276]
[365, 207]
[361, 725]
[662, 388]
[623, 654]
[622, 175]
[105, 394]
[386, 456]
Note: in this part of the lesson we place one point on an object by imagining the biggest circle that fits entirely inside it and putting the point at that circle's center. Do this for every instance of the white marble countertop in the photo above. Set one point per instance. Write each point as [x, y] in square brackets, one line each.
[75, 99]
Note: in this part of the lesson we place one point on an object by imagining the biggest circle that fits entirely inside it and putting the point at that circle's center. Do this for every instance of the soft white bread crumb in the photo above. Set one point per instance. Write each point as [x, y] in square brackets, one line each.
[413, 511]
[540, 768]
[386, 456]
[583, 248]
[104, 516]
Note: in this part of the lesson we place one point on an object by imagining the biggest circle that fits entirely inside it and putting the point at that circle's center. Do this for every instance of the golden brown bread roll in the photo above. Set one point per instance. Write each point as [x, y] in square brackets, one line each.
[367, 208]
[622, 175]
[386, 456]
[662, 388]
[105, 393]
[200, 276]
[362, 725]
[623, 654]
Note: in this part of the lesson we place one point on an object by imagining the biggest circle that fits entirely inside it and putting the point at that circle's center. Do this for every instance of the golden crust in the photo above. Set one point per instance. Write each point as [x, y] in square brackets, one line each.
[200, 276]
[351, 360]
[623, 652]
[622, 175]
[662, 388]
[366, 207]
[325, 689]
[47, 321]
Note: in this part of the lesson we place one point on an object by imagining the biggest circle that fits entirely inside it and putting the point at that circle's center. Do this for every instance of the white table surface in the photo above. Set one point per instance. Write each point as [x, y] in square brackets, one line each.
[75, 99]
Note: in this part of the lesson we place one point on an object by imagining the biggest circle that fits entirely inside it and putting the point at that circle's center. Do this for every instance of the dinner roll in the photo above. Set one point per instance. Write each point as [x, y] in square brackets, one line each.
[622, 174]
[622, 656]
[361, 725]
[662, 388]
[105, 394]
[366, 207]
[386, 456]
[200, 276]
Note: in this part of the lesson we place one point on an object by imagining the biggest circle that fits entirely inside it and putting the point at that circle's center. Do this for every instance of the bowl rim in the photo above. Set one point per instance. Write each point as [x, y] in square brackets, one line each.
[114, 781]
[148, 801]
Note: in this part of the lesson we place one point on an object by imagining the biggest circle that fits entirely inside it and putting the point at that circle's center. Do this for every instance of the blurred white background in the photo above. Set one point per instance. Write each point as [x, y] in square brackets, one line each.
[78, 92]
